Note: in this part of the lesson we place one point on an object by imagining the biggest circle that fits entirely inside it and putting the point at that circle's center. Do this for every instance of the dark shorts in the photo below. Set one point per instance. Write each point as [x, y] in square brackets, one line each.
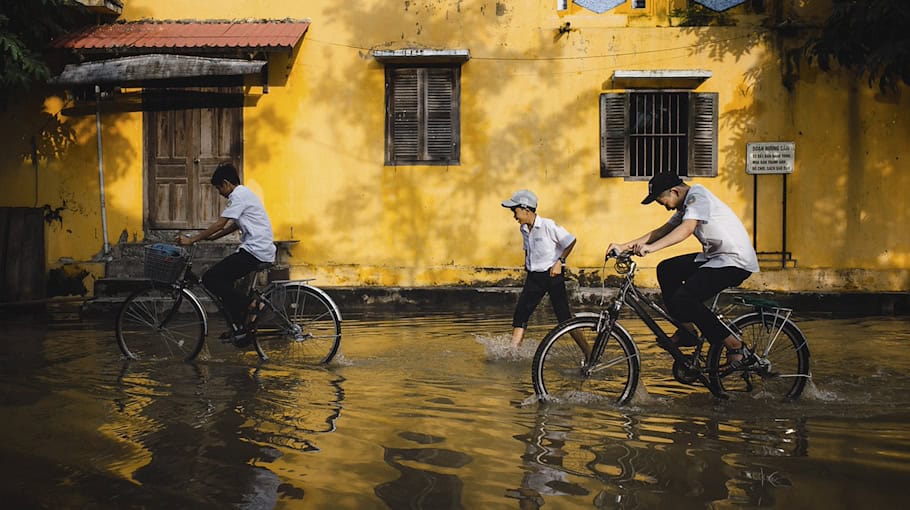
[686, 285]
[537, 284]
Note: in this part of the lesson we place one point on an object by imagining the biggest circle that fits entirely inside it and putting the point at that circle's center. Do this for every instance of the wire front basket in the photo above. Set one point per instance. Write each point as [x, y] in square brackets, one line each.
[165, 262]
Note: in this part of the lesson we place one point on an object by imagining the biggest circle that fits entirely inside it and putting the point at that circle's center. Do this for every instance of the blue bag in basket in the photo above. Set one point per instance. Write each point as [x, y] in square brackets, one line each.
[168, 249]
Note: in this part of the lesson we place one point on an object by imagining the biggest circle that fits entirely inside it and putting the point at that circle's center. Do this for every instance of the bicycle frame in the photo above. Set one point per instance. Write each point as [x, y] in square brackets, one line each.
[630, 296]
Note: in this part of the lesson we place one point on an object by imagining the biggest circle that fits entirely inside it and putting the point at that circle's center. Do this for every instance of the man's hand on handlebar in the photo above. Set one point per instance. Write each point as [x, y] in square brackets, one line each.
[614, 250]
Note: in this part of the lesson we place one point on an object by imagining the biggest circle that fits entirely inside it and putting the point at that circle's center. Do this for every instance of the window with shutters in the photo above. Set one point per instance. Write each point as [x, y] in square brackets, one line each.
[422, 115]
[648, 132]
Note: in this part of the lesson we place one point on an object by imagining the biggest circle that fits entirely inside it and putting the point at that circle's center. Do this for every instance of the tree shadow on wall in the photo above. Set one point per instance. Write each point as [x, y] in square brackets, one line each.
[494, 161]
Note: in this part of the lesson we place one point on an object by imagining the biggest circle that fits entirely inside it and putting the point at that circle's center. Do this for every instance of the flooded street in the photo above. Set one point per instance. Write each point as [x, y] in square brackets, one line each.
[433, 411]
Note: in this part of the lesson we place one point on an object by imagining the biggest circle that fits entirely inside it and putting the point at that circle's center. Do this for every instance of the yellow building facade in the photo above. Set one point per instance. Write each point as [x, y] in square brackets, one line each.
[532, 77]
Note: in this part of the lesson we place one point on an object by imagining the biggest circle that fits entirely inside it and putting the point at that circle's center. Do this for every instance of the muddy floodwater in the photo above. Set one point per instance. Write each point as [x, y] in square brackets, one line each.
[433, 411]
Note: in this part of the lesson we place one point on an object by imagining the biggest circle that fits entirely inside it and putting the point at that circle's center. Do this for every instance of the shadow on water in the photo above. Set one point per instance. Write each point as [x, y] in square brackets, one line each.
[435, 411]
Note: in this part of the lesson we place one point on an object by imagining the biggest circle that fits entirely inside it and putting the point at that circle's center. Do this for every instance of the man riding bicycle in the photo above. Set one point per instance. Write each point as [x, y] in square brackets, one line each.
[686, 281]
[244, 212]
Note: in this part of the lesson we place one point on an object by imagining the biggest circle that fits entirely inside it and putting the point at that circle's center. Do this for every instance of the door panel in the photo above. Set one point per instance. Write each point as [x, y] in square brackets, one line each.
[183, 147]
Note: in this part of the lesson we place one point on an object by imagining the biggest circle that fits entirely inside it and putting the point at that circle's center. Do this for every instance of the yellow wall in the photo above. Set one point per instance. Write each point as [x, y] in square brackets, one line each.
[314, 146]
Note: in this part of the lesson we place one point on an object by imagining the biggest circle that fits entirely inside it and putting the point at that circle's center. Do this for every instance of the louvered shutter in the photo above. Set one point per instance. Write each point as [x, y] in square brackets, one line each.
[703, 129]
[441, 128]
[614, 161]
[404, 122]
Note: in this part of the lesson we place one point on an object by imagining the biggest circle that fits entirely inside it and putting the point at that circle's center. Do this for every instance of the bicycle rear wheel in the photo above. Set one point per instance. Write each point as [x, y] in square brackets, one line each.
[558, 367]
[160, 322]
[782, 369]
[299, 325]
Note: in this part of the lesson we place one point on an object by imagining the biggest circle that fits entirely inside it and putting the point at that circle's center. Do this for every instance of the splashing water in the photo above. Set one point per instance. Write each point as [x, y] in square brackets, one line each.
[499, 348]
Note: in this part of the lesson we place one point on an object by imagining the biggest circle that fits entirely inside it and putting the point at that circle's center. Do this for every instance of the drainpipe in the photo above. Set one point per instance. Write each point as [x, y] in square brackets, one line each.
[107, 245]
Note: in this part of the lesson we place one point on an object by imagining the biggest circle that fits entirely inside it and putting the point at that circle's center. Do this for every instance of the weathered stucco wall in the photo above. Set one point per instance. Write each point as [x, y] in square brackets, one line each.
[314, 146]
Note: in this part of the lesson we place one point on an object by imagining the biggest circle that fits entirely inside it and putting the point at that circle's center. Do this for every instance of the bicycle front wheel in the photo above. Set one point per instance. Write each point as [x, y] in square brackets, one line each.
[160, 322]
[559, 371]
[782, 367]
[299, 325]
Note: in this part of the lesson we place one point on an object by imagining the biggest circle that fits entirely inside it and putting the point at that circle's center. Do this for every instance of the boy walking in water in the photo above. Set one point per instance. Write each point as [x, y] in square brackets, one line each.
[244, 212]
[546, 246]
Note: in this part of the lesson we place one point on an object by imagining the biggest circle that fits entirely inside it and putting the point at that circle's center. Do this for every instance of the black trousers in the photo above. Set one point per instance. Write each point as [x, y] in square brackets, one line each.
[686, 285]
[537, 284]
[220, 280]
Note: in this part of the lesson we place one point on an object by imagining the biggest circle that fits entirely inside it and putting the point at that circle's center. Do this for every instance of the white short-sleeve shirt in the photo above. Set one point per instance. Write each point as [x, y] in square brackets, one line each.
[544, 242]
[245, 208]
[723, 237]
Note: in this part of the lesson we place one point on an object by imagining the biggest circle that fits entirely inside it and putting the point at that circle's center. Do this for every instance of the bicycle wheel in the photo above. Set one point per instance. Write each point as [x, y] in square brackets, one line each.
[300, 324]
[558, 366]
[782, 369]
[161, 322]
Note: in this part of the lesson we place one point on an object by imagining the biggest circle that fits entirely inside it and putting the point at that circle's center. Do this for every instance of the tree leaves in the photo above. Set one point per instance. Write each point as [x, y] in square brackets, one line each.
[868, 37]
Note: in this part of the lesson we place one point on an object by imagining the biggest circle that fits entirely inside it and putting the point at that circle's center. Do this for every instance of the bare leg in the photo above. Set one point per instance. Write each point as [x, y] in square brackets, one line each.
[732, 343]
[518, 335]
[582, 343]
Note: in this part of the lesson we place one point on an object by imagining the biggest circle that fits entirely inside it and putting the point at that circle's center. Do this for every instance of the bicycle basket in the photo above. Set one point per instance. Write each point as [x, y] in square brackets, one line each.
[164, 262]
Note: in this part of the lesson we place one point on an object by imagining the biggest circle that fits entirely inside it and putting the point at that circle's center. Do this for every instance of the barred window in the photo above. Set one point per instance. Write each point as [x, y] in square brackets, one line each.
[648, 132]
[422, 115]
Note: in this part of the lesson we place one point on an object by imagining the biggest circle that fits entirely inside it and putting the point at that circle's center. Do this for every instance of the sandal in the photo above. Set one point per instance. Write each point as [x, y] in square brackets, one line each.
[240, 337]
[736, 359]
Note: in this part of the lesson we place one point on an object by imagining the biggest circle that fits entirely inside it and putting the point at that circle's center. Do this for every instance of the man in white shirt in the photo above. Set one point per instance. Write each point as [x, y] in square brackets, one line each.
[686, 281]
[546, 246]
[246, 213]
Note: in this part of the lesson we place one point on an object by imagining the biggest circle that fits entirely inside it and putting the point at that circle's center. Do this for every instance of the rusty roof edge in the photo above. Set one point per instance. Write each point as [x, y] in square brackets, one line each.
[249, 21]
[67, 41]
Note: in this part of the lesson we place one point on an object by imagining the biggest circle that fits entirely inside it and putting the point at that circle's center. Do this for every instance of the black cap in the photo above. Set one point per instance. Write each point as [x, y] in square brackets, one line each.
[660, 183]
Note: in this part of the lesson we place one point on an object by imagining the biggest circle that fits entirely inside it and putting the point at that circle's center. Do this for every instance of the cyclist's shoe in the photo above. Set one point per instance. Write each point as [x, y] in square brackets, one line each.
[737, 359]
[228, 336]
[243, 339]
[238, 337]
[683, 339]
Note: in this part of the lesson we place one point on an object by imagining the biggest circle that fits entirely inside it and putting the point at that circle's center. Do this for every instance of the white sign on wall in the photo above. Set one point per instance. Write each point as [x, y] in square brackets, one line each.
[770, 157]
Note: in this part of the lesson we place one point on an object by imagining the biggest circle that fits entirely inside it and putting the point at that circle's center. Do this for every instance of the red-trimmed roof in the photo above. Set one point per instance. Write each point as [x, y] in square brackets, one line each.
[186, 35]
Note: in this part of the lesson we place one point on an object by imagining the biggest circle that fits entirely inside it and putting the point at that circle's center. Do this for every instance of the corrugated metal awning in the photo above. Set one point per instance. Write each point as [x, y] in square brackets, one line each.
[143, 69]
[195, 36]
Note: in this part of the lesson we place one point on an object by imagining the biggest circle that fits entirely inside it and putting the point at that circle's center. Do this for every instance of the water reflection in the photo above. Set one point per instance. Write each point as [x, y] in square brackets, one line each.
[211, 431]
[638, 459]
[426, 412]
[421, 484]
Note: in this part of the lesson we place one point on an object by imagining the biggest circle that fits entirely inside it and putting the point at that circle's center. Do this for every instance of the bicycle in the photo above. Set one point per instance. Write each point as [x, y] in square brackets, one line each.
[776, 363]
[165, 319]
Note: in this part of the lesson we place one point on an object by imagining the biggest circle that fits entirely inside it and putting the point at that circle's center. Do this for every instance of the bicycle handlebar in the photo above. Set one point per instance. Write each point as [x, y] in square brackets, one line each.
[625, 256]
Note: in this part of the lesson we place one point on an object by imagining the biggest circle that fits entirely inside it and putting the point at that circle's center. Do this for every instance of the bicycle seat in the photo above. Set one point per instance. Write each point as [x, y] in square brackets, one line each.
[262, 266]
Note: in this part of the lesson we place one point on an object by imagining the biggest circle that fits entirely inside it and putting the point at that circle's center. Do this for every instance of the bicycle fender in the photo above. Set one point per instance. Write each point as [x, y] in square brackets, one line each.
[205, 316]
[587, 315]
[322, 293]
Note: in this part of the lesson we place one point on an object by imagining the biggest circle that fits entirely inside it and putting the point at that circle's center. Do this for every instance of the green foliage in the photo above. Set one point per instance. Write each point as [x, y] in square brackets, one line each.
[26, 29]
[868, 37]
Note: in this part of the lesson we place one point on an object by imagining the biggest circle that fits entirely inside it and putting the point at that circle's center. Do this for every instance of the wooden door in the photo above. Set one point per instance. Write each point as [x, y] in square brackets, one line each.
[183, 147]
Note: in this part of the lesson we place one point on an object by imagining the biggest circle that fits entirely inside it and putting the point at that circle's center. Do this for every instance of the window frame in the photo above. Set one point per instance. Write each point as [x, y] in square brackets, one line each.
[424, 115]
[701, 153]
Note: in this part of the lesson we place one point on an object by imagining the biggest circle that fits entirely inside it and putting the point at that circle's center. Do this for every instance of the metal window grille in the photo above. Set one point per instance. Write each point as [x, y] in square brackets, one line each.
[658, 133]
